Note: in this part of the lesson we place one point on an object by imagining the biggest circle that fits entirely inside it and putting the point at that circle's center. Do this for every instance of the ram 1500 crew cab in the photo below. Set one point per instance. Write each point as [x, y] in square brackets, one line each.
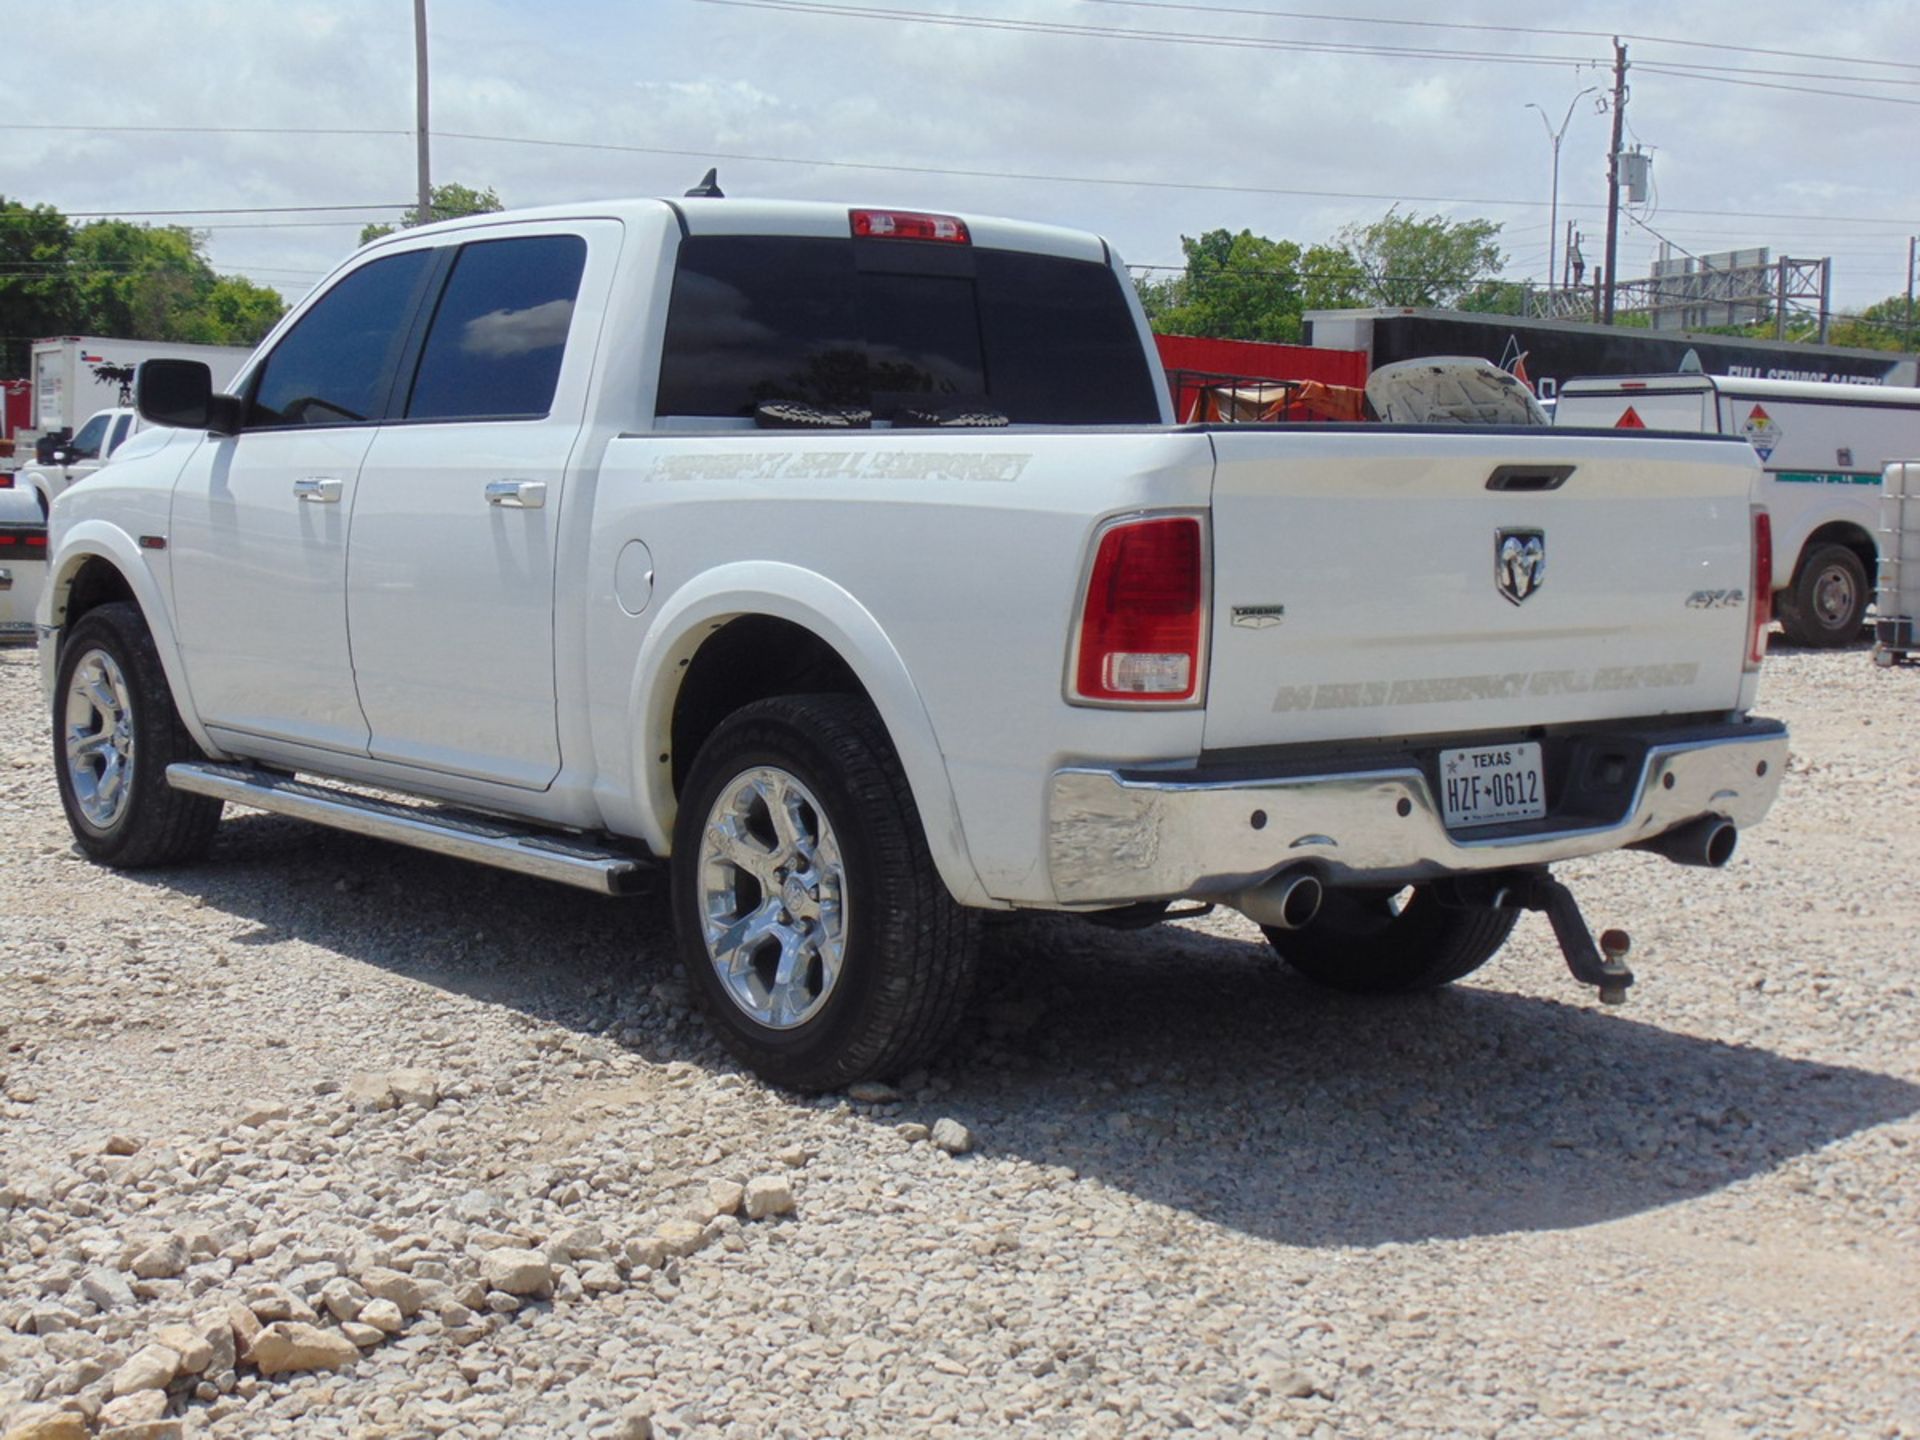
[846, 563]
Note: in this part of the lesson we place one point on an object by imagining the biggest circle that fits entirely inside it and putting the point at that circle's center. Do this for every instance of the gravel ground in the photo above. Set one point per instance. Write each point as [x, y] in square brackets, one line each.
[445, 1129]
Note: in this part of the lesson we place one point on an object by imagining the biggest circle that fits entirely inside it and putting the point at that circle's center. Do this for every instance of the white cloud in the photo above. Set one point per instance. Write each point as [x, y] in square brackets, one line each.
[708, 80]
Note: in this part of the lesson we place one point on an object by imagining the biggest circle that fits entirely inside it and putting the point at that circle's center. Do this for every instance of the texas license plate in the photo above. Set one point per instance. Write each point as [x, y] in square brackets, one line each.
[1491, 784]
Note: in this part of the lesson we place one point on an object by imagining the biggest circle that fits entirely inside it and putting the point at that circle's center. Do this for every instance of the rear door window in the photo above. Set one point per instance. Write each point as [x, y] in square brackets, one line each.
[336, 363]
[500, 330]
[120, 428]
[1040, 339]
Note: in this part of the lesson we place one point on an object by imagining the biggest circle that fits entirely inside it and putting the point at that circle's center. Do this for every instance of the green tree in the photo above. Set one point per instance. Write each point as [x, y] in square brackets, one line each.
[36, 288]
[450, 202]
[113, 277]
[144, 282]
[1430, 262]
[1235, 287]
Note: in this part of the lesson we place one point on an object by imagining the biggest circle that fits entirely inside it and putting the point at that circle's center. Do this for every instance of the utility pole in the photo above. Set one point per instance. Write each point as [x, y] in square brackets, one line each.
[1613, 173]
[424, 214]
[1913, 248]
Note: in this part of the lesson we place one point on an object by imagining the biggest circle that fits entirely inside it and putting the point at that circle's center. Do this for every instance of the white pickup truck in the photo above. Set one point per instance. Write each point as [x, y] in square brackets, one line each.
[78, 456]
[847, 564]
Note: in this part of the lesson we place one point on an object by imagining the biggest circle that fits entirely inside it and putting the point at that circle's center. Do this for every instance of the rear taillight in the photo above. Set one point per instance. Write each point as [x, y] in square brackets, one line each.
[1760, 607]
[1142, 631]
[6, 479]
[909, 225]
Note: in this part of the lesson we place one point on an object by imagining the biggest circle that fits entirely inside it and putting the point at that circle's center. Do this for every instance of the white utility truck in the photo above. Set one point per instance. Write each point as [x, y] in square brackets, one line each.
[1822, 448]
[75, 375]
[846, 564]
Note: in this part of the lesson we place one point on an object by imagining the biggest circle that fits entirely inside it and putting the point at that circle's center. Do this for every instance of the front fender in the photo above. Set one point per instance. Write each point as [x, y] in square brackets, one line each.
[804, 598]
[94, 539]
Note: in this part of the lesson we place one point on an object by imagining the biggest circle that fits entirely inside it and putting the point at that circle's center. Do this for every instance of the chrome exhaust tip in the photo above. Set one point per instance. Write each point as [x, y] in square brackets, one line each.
[1287, 901]
[1709, 841]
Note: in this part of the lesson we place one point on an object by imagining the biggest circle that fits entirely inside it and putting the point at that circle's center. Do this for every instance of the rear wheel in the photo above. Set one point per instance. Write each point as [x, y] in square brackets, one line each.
[820, 940]
[1827, 602]
[115, 731]
[1382, 941]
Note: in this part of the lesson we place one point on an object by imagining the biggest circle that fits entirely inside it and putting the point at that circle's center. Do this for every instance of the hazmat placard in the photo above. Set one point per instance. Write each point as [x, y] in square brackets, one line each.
[1762, 431]
[1630, 420]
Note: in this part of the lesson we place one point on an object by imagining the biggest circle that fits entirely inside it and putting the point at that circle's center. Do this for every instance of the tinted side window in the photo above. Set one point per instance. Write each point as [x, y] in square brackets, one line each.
[332, 367]
[120, 428]
[500, 329]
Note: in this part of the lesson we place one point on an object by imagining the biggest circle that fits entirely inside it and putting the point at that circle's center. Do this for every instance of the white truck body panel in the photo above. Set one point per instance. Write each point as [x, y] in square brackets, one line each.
[406, 632]
[1392, 619]
[1822, 446]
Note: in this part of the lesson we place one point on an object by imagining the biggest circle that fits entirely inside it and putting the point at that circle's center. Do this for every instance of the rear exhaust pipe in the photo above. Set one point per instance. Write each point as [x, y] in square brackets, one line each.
[1287, 901]
[1709, 841]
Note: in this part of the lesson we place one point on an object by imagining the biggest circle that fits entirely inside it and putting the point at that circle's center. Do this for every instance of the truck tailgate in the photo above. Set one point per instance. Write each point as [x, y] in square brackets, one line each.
[1358, 591]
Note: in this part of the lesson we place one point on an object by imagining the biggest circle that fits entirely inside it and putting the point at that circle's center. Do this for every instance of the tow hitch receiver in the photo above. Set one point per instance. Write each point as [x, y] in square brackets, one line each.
[1604, 965]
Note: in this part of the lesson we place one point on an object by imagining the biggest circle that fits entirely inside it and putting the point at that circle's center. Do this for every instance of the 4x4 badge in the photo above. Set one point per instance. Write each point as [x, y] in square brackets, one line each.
[1519, 562]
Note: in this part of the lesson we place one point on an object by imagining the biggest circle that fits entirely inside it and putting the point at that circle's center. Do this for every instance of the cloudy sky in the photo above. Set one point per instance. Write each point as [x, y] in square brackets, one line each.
[1142, 120]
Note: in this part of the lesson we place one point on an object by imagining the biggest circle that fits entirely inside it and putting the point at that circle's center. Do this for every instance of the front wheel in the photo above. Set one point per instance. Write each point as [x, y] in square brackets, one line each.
[821, 942]
[1827, 602]
[115, 731]
[1377, 942]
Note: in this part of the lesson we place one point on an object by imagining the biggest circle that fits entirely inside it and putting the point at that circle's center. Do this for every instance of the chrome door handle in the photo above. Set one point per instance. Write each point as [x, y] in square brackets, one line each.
[319, 490]
[517, 494]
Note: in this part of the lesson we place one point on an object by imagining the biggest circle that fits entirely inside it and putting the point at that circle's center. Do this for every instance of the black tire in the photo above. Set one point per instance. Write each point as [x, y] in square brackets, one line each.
[153, 824]
[1826, 605]
[908, 952]
[1362, 942]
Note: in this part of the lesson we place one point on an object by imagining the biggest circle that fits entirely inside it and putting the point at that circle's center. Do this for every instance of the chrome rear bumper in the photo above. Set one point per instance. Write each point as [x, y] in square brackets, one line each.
[1120, 835]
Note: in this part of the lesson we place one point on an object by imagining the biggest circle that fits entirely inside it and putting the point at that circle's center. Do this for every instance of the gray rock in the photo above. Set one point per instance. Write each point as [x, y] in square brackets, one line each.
[154, 1367]
[107, 1289]
[951, 1136]
[767, 1196]
[516, 1272]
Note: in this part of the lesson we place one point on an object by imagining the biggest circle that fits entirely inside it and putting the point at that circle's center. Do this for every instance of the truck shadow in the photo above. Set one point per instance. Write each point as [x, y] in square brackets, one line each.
[1182, 1066]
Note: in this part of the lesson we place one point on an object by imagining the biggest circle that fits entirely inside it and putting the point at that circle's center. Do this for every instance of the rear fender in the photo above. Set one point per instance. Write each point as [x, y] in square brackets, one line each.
[805, 598]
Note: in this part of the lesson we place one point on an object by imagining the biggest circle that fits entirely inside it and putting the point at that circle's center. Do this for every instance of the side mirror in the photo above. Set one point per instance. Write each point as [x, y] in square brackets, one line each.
[180, 393]
[61, 456]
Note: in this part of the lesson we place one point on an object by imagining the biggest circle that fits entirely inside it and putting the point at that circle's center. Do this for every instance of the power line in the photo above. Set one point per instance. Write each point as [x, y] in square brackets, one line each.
[1051, 179]
[205, 129]
[1656, 69]
[25, 216]
[1109, 32]
[1559, 34]
[821, 8]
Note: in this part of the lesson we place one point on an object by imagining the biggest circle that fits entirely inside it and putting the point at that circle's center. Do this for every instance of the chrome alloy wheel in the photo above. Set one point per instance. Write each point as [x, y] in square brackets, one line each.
[773, 898]
[99, 739]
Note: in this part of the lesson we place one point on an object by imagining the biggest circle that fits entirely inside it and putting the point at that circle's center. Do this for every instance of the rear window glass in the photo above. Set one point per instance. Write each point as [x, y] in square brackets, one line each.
[1040, 339]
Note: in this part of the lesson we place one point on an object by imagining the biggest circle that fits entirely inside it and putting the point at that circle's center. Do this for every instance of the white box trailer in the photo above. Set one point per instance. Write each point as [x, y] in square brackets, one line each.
[1822, 448]
[75, 375]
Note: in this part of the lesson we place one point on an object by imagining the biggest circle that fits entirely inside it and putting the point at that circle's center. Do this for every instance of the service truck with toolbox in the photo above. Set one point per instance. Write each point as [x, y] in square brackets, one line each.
[846, 566]
[1822, 447]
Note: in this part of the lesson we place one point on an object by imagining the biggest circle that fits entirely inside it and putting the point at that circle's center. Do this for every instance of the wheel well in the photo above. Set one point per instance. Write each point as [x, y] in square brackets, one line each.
[752, 658]
[97, 582]
[1840, 532]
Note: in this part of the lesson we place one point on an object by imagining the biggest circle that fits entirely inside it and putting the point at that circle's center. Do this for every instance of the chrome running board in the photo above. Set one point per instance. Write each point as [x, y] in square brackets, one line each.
[546, 855]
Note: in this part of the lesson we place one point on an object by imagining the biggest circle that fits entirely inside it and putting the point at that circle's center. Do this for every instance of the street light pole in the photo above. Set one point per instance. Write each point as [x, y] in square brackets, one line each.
[1556, 136]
